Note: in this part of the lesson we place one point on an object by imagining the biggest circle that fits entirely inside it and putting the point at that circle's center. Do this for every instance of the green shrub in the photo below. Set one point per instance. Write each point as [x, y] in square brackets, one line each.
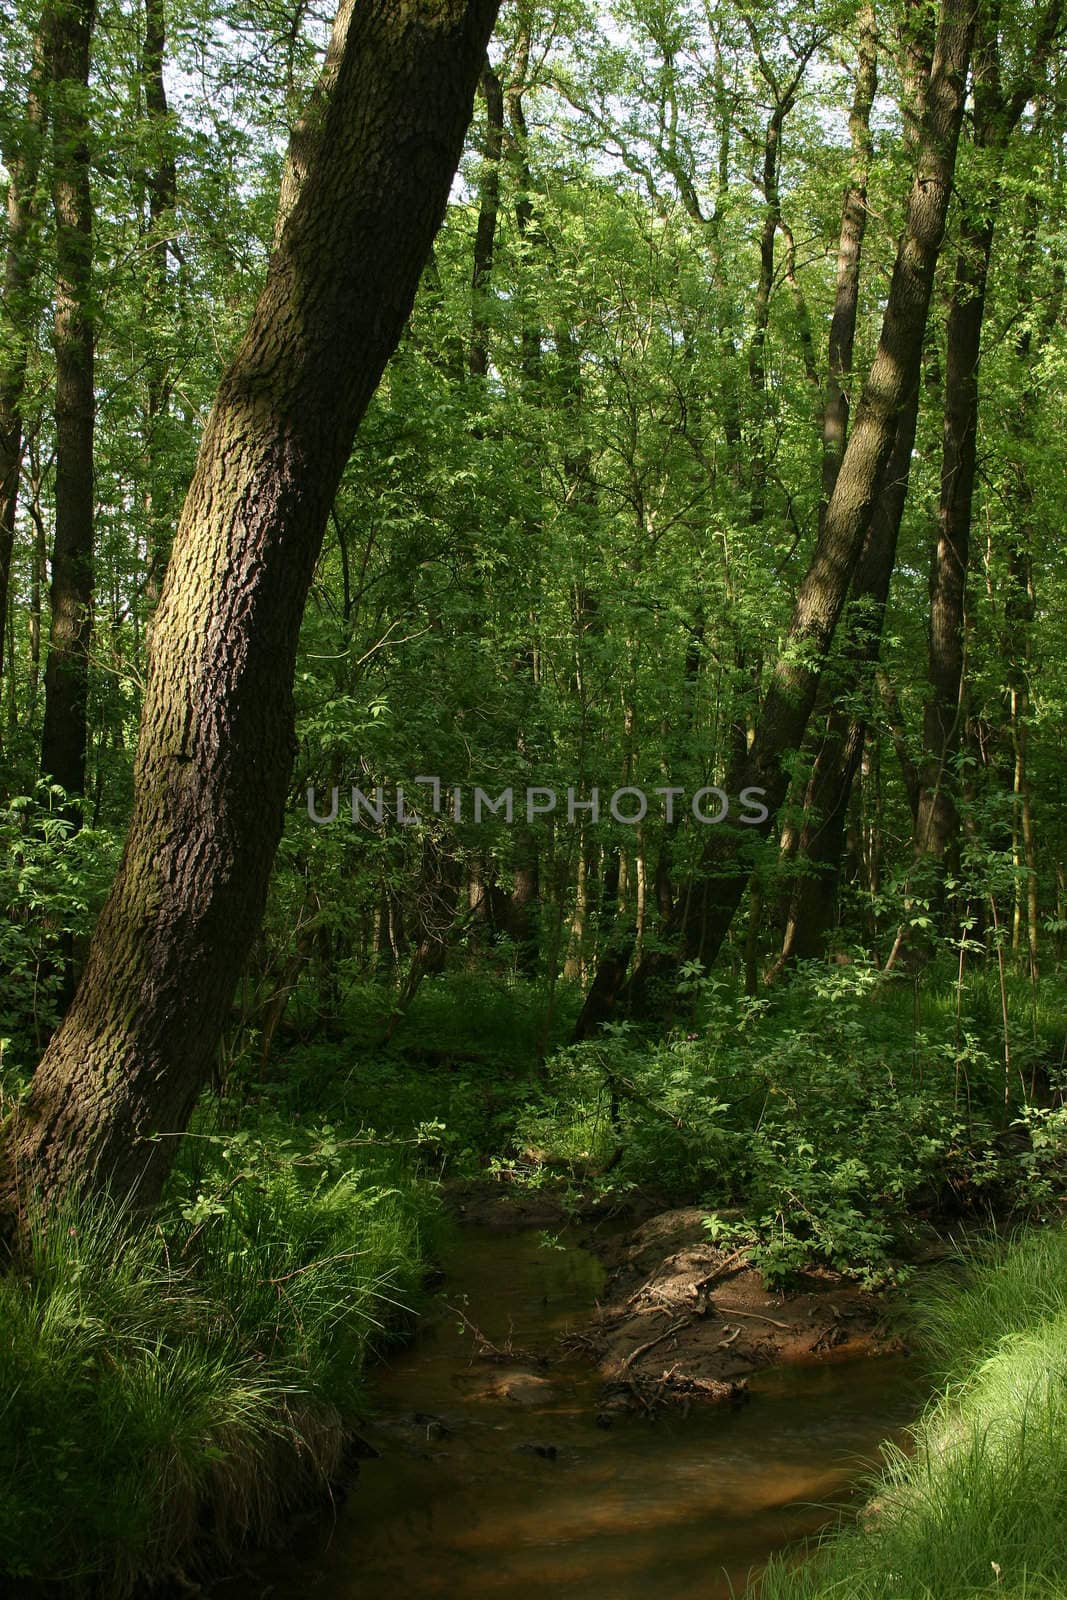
[826, 1113]
[52, 882]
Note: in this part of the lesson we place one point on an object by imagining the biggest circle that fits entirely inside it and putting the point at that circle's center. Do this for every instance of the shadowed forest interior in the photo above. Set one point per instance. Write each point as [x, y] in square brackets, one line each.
[533, 887]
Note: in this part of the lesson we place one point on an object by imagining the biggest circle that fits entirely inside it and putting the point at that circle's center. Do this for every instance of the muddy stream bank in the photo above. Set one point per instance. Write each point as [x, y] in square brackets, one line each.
[527, 1442]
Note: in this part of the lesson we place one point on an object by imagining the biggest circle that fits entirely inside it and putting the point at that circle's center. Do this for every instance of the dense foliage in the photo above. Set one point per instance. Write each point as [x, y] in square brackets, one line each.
[571, 554]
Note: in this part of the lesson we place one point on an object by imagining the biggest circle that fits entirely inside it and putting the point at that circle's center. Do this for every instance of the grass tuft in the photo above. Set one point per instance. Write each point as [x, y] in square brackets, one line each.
[979, 1505]
[170, 1392]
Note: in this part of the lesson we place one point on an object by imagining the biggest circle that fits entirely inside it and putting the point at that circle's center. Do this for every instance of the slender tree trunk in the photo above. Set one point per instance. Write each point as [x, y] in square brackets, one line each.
[834, 438]
[1020, 604]
[996, 113]
[23, 163]
[363, 193]
[64, 736]
[849, 259]
[887, 399]
[938, 824]
[162, 187]
[38, 580]
[820, 837]
[725, 861]
[626, 941]
[574, 964]
[524, 912]
[525, 903]
[783, 97]
[837, 761]
[909, 772]
[436, 921]
[485, 233]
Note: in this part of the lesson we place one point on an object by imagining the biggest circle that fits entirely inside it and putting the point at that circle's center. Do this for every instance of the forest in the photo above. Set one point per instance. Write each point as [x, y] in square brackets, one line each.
[533, 887]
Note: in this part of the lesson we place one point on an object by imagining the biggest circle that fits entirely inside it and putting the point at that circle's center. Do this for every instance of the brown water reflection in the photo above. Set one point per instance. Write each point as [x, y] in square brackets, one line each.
[460, 1505]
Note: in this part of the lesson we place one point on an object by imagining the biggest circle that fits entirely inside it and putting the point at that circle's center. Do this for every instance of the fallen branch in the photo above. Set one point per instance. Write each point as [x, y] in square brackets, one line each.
[642, 1349]
[717, 1272]
[736, 1312]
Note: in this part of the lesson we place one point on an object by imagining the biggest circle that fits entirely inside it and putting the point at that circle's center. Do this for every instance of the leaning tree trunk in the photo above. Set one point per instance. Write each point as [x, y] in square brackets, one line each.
[849, 256]
[837, 761]
[725, 864]
[820, 840]
[364, 191]
[66, 681]
[996, 113]
[836, 404]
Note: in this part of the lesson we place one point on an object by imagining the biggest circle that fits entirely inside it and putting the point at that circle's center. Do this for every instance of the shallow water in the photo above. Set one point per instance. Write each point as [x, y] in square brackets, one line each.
[460, 1504]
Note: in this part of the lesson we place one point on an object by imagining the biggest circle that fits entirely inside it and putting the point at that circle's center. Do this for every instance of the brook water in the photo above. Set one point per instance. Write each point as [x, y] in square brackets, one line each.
[495, 1478]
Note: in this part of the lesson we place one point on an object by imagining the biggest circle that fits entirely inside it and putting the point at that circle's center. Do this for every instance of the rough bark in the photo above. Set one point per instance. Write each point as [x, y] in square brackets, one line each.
[66, 683]
[364, 191]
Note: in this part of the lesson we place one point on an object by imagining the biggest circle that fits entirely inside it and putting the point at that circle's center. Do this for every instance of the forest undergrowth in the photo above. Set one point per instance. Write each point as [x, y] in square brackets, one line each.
[176, 1390]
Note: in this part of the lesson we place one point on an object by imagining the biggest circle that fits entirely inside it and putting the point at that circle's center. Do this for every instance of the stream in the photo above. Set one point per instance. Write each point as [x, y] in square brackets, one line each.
[495, 1477]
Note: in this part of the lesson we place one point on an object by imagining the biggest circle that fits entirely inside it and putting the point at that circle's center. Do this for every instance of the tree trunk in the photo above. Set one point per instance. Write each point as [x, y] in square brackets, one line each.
[725, 863]
[23, 164]
[849, 255]
[365, 188]
[835, 415]
[783, 99]
[887, 396]
[996, 113]
[938, 824]
[826, 801]
[38, 580]
[1020, 605]
[66, 683]
[525, 908]
[485, 233]
[162, 186]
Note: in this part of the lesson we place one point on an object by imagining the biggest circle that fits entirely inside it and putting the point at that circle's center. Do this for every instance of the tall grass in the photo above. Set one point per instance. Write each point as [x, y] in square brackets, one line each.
[167, 1393]
[979, 1505]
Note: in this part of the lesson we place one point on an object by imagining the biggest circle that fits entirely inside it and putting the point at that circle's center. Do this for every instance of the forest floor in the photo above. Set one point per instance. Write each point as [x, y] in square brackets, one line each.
[758, 1191]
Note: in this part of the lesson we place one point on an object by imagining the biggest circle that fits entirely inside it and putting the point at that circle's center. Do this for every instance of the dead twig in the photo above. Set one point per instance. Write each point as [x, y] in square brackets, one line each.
[642, 1349]
[718, 1271]
[735, 1311]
